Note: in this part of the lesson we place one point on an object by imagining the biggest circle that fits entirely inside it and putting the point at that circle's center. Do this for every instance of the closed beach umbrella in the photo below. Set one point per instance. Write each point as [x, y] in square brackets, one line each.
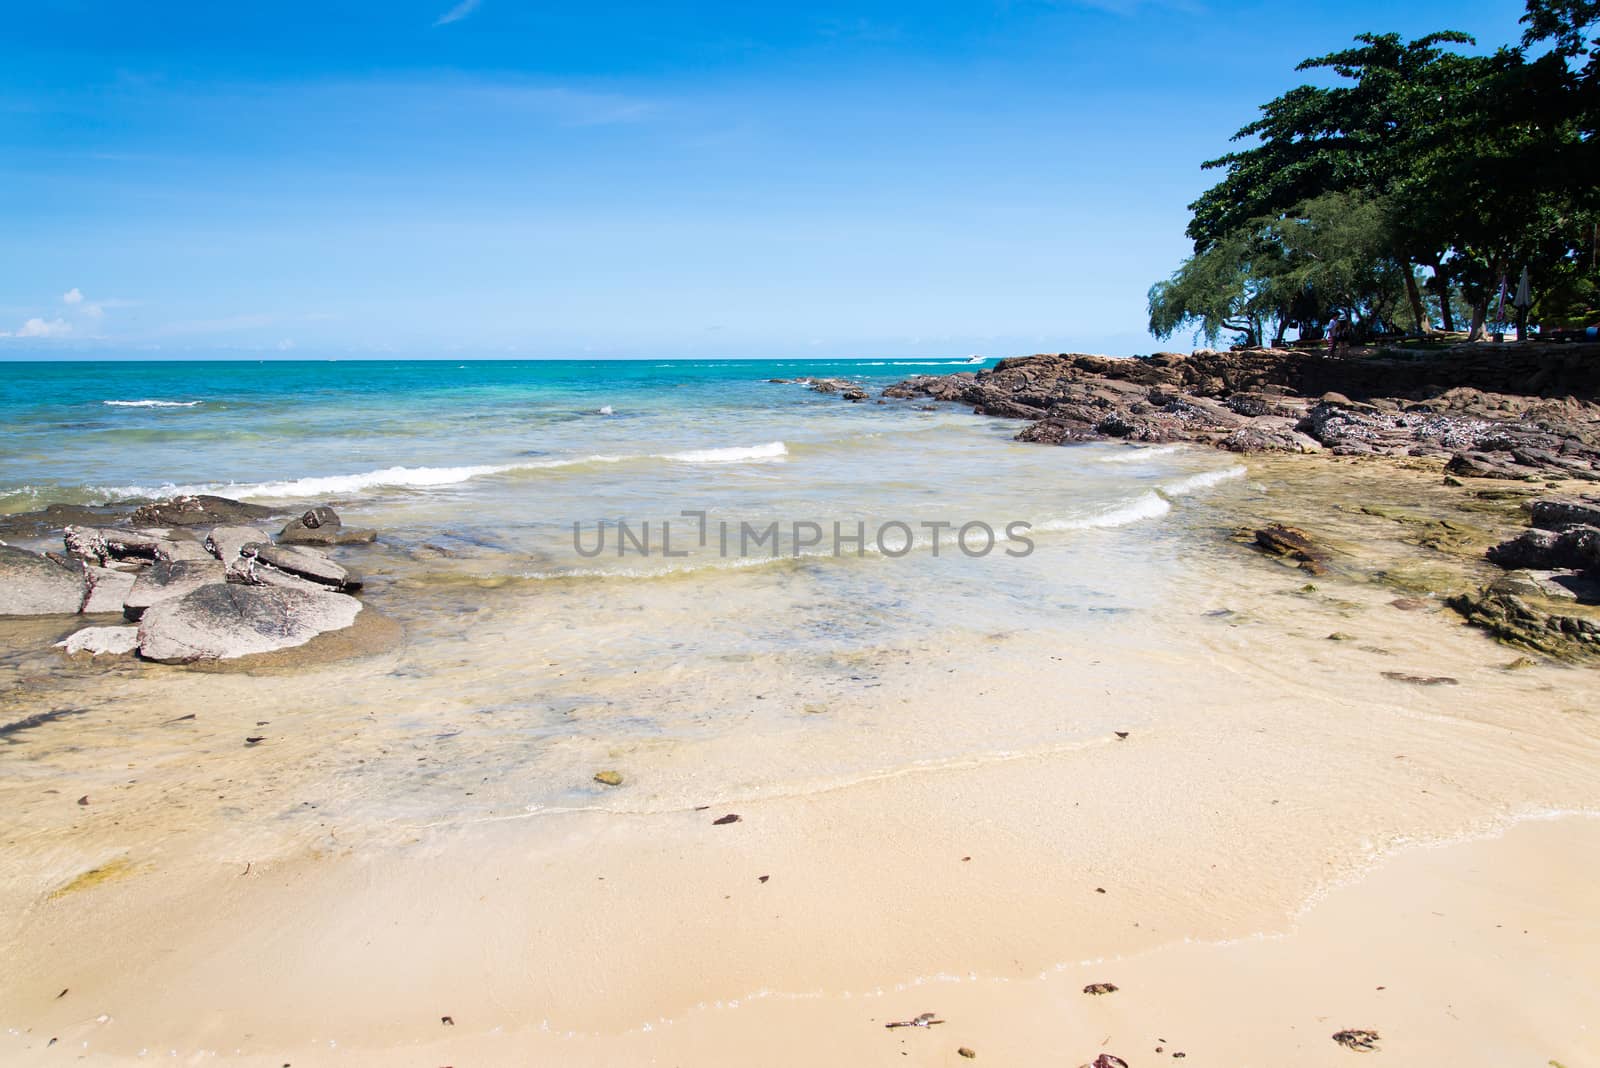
[1524, 297]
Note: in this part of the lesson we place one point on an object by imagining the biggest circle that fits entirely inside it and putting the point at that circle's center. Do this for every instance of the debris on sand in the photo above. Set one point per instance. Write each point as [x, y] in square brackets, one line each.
[925, 1020]
[1360, 1041]
[1100, 988]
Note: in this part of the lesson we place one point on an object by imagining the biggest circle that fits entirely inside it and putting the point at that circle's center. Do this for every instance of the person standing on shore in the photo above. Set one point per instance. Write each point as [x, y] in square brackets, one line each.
[1338, 333]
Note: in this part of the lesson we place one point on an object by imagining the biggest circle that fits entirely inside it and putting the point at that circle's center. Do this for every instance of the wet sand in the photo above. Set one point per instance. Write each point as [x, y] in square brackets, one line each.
[935, 819]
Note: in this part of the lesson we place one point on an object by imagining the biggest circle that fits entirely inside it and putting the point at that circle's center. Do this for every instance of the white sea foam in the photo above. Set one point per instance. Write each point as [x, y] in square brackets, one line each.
[772, 450]
[1146, 506]
[424, 477]
[1204, 480]
[1139, 454]
[149, 404]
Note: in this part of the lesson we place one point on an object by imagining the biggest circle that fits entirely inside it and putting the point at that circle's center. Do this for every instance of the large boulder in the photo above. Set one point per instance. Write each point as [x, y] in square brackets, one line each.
[165, 582]
[321, 526]
[224, 621]
[197, 510]
[34, 585]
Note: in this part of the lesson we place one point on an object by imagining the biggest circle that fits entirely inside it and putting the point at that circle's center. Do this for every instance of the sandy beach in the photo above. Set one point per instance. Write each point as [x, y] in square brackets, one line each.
[1259, 835]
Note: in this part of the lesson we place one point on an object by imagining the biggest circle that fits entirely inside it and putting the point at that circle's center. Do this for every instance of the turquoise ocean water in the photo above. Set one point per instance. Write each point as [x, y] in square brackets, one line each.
[491, 468]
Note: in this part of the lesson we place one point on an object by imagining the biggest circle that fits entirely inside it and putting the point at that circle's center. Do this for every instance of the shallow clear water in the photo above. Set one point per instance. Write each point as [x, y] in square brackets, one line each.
[535, 654]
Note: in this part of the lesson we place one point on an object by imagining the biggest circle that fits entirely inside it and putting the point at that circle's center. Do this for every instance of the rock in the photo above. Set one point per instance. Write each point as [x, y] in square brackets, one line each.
[199, 510]
[174, 551]
[1485, 465]
[1527, 622]
[228, 543]
[107, 590]
[168, 581]
[101, 641]
[854, 394]
[55, 517]
[1576, 548]
[224, 621]
[1554, 514]
[1293, 543]
[97, 545]
[249, 571]
[1421, 680]
[608, 778]
[305, 563]
[322, 526]
[35, 585]
[1270, 434]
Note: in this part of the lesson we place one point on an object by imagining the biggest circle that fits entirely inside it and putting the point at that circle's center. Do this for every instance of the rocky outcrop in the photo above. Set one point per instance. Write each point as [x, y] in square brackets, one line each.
[99, 545]
[35, 585]
[1575, 548]
[1520, 620]
[1509, 412]
[1550, 599]
[198, 510]
[1558, 514]
[200, 579]
[225, 621]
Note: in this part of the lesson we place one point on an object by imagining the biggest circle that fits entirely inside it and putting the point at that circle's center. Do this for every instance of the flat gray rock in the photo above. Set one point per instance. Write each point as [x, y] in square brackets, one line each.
[164, 582]
[101, 641]
[224, 621]
[108, 589]
[307, 563]
[227, 543]
[34, 585]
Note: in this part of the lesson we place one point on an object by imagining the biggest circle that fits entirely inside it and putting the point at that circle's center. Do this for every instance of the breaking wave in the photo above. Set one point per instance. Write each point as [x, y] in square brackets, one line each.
[149, 404]
[425, 477]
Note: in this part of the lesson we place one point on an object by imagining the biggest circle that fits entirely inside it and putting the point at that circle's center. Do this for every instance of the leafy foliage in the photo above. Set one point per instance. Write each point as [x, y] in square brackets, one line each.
[1419, 155]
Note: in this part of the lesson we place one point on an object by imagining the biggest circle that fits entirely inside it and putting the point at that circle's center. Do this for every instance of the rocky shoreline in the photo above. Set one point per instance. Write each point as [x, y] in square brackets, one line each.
[193, 578]
[1523, 413]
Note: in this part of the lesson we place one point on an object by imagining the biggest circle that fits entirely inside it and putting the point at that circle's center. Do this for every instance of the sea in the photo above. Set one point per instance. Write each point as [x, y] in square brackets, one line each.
[596, 557]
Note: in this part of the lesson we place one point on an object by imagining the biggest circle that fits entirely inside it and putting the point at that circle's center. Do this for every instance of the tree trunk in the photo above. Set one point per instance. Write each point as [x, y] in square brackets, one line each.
[1424, 321]
[1441, 289]
[1480, 316]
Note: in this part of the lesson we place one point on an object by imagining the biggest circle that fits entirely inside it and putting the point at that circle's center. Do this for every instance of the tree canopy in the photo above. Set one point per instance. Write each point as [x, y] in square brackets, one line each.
[1425, 177]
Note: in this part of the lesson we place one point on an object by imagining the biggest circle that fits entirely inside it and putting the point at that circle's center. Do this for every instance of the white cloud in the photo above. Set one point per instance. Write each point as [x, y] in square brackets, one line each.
[72, 296]
[40, 328]
[457, 13]
[93, 311]
[286, 344]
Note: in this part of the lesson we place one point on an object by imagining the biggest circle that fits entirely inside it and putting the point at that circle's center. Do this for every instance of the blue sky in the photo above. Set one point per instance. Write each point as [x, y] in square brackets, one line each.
[493, 179]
